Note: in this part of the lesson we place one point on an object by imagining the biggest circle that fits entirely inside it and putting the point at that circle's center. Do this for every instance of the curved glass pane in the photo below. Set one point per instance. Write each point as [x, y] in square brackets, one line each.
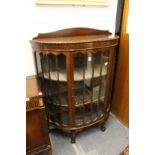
[90, 74]
[55, 81]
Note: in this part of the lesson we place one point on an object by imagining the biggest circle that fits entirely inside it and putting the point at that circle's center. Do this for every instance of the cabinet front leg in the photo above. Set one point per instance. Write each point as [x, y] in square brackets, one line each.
[73, 137]
[102, 127]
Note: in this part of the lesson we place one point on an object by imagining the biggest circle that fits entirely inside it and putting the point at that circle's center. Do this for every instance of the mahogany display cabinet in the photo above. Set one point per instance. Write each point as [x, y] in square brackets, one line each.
[75, 67]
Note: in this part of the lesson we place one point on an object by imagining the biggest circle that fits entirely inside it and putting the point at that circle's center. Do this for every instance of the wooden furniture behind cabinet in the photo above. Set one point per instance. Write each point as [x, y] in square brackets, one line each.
[120, 99]
[75, 68]
[37, 136]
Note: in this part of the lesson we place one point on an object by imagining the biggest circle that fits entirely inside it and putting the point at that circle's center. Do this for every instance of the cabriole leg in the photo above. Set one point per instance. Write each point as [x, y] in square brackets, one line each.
[102, 127]
[73, 137]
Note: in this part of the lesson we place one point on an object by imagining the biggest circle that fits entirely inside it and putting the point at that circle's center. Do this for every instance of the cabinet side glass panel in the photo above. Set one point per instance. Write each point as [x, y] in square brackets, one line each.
[38, 63]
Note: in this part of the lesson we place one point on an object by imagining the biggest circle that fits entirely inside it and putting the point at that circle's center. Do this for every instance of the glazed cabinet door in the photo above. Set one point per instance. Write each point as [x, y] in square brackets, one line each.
[90, 73]
[52, 70]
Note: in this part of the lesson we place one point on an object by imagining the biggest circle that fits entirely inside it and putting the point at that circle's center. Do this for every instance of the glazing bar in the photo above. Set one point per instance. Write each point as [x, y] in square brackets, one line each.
[49, 73]
[93, 59]
[100, 82]
[49, 66]
[70, 78]
[58, 83]
[49, 87]
[42, 72]
[36, 64]
[84, 66]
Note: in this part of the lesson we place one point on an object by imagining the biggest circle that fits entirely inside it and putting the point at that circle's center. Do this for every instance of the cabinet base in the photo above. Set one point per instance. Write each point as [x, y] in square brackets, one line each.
[72, 132]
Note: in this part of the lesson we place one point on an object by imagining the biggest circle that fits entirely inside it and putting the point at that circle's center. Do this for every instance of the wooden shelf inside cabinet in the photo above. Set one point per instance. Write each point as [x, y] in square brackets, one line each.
[75, 67]
[79, 98]
[37, 136]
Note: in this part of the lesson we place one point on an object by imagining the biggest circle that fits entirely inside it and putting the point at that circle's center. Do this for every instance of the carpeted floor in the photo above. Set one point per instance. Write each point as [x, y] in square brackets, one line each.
[92, 141]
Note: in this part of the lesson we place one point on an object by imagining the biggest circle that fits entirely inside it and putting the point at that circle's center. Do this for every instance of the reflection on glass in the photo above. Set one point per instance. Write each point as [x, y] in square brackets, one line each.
[90, 72]
[38, 63]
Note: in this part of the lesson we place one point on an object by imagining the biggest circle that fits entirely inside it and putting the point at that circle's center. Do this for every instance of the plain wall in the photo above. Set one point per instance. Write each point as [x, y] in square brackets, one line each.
[48, 18]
